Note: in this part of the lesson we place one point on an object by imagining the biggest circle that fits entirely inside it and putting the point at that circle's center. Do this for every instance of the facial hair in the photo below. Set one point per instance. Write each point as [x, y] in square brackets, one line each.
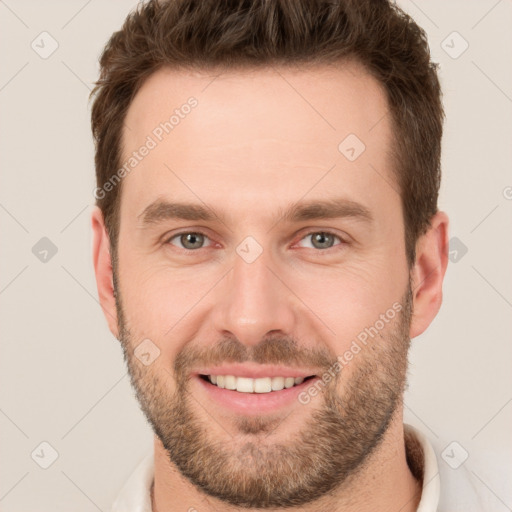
[350, 418]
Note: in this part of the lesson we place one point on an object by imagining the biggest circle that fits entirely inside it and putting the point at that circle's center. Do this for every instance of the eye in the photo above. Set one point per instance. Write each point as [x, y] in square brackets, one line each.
[321, 239]
[194, 240]
[189, 240]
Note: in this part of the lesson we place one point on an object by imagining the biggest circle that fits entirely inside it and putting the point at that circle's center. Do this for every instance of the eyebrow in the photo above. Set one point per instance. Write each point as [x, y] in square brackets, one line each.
[161, 210]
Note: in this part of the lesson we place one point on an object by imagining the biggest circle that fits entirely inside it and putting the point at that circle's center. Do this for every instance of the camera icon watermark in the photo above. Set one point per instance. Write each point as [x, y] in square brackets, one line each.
[457, 249]
[351, 147]
[146, 352]
[454, 455]
[249, 249]
[44, 455]
[44, 250]
[454, 45]
[45, 45]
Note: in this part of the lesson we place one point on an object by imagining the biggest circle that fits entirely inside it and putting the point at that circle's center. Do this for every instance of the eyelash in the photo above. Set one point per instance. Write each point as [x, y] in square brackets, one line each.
[176, 235]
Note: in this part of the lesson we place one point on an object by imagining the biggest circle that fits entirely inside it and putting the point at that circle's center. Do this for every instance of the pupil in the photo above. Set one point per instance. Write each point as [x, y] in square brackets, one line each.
[322, 238]
[191, 239]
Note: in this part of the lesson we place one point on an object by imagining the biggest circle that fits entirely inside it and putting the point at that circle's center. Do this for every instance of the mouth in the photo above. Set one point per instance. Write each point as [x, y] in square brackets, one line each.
[254, 392]
[257, 385]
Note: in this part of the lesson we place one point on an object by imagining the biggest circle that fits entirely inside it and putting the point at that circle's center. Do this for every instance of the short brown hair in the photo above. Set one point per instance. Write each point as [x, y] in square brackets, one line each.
[253, 33]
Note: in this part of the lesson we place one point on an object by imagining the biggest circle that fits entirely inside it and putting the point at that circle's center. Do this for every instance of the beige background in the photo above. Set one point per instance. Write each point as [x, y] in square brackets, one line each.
[63, 380]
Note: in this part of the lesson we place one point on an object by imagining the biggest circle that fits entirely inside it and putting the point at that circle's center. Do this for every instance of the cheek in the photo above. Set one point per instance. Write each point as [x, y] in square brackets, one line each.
[351, 298]
[344, 304]
[157, 302]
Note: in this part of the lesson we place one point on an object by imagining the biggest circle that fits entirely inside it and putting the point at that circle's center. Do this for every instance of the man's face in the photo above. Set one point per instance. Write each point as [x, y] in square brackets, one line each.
[254, 292]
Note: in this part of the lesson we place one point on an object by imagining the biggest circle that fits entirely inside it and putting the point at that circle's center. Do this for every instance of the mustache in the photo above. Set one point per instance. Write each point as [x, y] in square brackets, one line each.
[274, 349]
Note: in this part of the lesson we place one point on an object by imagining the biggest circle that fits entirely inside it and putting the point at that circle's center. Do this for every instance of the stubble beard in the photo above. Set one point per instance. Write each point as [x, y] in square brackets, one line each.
[249, 469]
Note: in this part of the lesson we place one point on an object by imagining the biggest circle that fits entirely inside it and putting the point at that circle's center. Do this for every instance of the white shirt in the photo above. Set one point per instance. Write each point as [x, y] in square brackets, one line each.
[444, 489]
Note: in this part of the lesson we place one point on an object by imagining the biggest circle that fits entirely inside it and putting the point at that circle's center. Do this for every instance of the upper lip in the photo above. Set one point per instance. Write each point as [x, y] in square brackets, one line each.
[256, 371]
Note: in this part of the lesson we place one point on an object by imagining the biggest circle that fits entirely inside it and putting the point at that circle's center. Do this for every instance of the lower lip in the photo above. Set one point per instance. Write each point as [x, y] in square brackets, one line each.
[254, 404]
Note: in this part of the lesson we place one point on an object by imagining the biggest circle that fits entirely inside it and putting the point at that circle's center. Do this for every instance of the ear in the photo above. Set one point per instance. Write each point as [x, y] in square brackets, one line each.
[428, 274]
[103, 270]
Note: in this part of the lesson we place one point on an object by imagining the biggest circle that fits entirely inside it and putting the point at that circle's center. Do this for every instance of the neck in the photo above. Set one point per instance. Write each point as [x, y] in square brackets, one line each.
[385, 483]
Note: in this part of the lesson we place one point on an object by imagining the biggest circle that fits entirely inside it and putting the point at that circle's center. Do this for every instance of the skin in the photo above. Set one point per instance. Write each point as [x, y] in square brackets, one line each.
[266, 139]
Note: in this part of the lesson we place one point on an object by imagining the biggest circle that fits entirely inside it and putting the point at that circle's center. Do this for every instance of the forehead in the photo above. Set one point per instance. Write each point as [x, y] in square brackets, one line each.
[270, 135]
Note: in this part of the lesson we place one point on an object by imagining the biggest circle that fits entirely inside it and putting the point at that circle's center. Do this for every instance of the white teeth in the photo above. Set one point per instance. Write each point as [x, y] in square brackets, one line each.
[261, 385]
[229, 382]
[277, 383]
[244, 385]
[289, 382]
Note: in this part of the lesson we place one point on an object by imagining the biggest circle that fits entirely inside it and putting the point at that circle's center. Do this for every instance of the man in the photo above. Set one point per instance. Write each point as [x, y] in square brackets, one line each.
[266, 243]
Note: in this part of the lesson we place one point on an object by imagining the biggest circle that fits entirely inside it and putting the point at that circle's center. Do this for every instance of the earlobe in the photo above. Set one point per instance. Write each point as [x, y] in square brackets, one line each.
[428, 274]
[103, 269]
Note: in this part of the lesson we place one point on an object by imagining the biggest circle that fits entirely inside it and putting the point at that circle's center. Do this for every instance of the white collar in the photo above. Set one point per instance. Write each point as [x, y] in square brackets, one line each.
[431, 486]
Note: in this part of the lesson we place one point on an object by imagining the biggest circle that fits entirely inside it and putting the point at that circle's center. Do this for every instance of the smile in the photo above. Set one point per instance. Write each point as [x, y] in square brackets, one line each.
[259, 385]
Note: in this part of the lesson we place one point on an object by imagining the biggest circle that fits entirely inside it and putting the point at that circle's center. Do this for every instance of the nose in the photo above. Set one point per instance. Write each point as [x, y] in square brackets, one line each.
[254, 301]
